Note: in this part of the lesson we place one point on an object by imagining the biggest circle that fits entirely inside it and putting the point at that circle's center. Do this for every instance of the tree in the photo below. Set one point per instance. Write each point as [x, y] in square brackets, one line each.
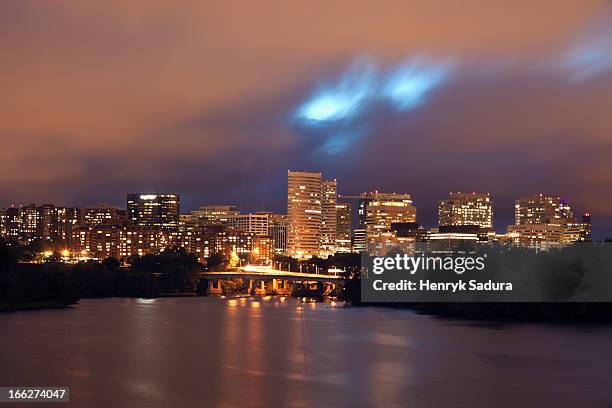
[7, 256]
[216, 261]
[112, 264]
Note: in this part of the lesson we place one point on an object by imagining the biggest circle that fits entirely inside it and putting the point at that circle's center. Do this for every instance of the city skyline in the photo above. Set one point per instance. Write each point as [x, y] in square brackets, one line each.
[312, 225]
[430, 99]
[498, 226]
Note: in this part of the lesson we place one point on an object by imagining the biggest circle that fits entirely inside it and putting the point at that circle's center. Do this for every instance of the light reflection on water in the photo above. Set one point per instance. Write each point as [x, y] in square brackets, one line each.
[275, 351]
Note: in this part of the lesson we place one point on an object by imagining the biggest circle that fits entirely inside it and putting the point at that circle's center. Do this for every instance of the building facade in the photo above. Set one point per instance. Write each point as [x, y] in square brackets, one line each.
[153, 210]
[466, 209]
[344, 228]
[311, 215]
[277, 230]
[329, 196]
[383, 209]
[541, 209]
[211, 214]
[258, 223]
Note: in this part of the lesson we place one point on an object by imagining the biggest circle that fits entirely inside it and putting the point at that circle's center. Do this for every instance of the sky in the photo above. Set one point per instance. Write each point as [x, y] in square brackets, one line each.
[217, 100]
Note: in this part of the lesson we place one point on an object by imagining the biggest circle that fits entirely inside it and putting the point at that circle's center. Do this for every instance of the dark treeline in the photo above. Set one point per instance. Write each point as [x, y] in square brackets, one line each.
[55, 284]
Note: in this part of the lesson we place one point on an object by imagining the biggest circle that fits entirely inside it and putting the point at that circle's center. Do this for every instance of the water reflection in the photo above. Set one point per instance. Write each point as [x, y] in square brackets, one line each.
[255, 351]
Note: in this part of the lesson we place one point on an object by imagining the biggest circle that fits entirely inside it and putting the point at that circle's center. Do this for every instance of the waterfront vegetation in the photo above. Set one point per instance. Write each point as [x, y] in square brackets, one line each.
[54, 284]
[27, 285]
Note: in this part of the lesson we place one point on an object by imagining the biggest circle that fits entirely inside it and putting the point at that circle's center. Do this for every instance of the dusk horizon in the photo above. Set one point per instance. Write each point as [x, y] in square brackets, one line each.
[510, 102]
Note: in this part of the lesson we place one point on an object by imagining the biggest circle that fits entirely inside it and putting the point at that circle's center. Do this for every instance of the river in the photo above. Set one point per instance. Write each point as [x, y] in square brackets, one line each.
[262, 352]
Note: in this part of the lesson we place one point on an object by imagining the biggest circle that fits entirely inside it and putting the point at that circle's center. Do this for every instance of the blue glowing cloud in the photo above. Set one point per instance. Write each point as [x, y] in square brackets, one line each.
[341, 140]
[404, 87]
[592, 56]
[344, 99]
[409, 84]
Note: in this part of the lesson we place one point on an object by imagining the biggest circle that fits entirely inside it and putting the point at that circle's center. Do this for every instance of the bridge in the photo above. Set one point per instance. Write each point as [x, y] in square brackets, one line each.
[265, 280]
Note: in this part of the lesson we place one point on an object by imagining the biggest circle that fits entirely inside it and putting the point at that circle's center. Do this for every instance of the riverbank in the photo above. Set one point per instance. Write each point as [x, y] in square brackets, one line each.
[6, 307]
[41, 305]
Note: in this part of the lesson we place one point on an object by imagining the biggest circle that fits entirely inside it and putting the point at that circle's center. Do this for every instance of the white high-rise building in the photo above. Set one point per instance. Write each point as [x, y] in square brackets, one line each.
[311, 215]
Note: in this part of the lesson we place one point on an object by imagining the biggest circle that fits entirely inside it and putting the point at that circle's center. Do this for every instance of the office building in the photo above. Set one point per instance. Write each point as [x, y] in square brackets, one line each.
[466, 209]
[383, 209]
[258, 223]
[311, 215]
[329, 196]
[304, 214]
[359, 240]
[153, 210]
[211, 214]
[541, 209]
[343, 227]
[102, 214]
[11, 223]
[277, 230]
[547, 221]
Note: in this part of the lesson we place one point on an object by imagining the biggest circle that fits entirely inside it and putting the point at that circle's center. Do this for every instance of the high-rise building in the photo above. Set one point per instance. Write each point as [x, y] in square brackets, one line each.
[277, 229]
[466, 209]
[304, 190]
[359, 234]
[67, 219]
[11, 223]
[541, 209]
[329, 196]
[29, 223]
[343, 227]
[311, 215]
[547, 221]
[45, 222]
[383, 209]
[153, 210]
[359, 240]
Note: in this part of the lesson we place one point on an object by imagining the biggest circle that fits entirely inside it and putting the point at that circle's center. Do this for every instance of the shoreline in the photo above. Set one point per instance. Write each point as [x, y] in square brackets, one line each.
[504, 313]
[7, 307]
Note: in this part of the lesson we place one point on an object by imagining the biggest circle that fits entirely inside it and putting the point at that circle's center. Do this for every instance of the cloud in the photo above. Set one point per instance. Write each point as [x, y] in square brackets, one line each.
[404, 86]
[218, 99]
[341, 113]
[591, 55]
